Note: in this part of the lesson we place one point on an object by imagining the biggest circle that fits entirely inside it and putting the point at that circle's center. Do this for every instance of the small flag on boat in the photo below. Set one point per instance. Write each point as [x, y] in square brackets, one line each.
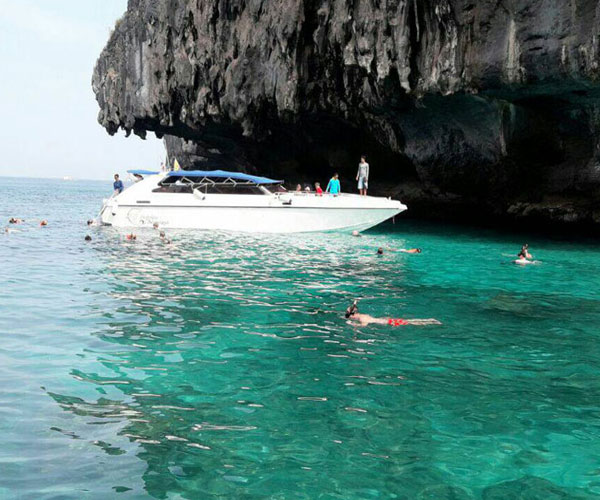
[176, 165]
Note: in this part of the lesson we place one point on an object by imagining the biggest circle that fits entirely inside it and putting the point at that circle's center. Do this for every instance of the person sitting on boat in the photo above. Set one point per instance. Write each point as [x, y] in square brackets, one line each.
[318, 189]
[362, 176]
[333, 187]
[307, 189]
[365, 319]
[298, 188]
[118, 185]
[410, 250]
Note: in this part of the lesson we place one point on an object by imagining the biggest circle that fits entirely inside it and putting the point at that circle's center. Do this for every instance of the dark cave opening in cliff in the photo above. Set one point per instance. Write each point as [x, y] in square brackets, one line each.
[319, 146]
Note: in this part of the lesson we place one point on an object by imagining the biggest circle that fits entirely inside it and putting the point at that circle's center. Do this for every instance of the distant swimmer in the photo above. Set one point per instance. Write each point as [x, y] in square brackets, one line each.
[164, 238]
[356, 233]
[131, 236]
[44, 223]
[410, 250]
[524, 253]
[14, 220]
[380, 251]
[90, 222]
[155, 225]
[364, 319]
[524, 257]
[87, 237]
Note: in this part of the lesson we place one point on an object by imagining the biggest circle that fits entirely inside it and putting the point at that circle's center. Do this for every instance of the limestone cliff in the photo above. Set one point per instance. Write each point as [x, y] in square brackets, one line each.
[460, 104]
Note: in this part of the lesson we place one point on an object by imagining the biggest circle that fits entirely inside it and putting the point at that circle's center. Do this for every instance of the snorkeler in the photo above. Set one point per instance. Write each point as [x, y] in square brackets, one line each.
[410, 250]
[524, 253]
[364, 319]
[524, 257]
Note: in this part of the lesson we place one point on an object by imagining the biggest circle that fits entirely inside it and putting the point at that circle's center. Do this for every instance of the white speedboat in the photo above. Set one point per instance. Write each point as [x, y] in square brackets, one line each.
[233, 201]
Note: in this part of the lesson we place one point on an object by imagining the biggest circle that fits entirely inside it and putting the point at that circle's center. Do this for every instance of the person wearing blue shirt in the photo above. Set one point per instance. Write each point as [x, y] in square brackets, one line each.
[118, 185]
[334, 187]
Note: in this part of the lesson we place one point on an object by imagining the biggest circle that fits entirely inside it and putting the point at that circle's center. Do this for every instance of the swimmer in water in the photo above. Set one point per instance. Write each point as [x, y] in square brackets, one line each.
[410, 250]
[155, 225]
[14, 220]
[524, 253]
[364, 319]
[380, 251]
[44, 223]
[164, 238]
[131, 236]
[524, 257]
[356, 233]
[87, 237]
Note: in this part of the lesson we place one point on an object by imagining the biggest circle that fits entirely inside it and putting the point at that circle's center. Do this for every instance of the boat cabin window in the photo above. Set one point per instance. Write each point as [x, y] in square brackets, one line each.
[231, 189]
[188, 184]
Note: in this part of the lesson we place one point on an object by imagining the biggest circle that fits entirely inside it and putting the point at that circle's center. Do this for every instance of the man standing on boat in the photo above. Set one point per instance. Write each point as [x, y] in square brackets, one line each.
[362, 176]
[118, 184]
[334, 187]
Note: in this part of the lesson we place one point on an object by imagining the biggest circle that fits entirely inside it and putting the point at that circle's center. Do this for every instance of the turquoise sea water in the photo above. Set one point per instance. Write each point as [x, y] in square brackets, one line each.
[221, 367]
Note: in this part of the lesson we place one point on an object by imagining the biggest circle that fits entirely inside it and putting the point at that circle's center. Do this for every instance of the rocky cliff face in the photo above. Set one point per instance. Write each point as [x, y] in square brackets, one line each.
[491, 105]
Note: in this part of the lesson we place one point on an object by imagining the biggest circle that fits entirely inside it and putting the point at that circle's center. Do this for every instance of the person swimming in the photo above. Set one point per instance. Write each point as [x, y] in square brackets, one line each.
[410, 250]
[524, 257]
[44, 223]
[15, 220]
[524, 253]
[87, 237]
[380, 251]
[131, 236]
[352, 314]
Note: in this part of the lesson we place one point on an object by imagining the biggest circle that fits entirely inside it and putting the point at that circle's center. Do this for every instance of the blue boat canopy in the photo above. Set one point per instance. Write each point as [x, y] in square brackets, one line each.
[223, 174]
[142, 172]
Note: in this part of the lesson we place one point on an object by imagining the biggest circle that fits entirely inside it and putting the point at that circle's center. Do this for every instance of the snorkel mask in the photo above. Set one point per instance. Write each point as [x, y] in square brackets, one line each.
[353, 309]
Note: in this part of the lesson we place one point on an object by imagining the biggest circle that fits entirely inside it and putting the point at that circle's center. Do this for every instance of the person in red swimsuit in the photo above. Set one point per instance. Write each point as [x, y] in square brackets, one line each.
[352, 314]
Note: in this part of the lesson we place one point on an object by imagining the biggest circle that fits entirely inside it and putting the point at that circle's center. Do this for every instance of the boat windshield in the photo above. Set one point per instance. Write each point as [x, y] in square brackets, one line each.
[207, 185]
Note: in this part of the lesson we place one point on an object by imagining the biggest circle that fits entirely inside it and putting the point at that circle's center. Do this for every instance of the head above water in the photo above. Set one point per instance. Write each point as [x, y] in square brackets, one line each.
[380, 251]
[88, 237]
[352, 310]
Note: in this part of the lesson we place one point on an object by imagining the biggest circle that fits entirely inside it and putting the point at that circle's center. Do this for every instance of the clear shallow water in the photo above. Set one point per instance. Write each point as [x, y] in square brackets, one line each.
[220, 366]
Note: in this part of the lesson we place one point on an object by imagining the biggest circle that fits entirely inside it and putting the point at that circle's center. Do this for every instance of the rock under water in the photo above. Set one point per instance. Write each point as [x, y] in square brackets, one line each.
[478, 109]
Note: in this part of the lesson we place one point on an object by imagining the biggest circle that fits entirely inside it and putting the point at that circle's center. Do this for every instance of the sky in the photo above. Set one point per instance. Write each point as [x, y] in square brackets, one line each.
[48, 112]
